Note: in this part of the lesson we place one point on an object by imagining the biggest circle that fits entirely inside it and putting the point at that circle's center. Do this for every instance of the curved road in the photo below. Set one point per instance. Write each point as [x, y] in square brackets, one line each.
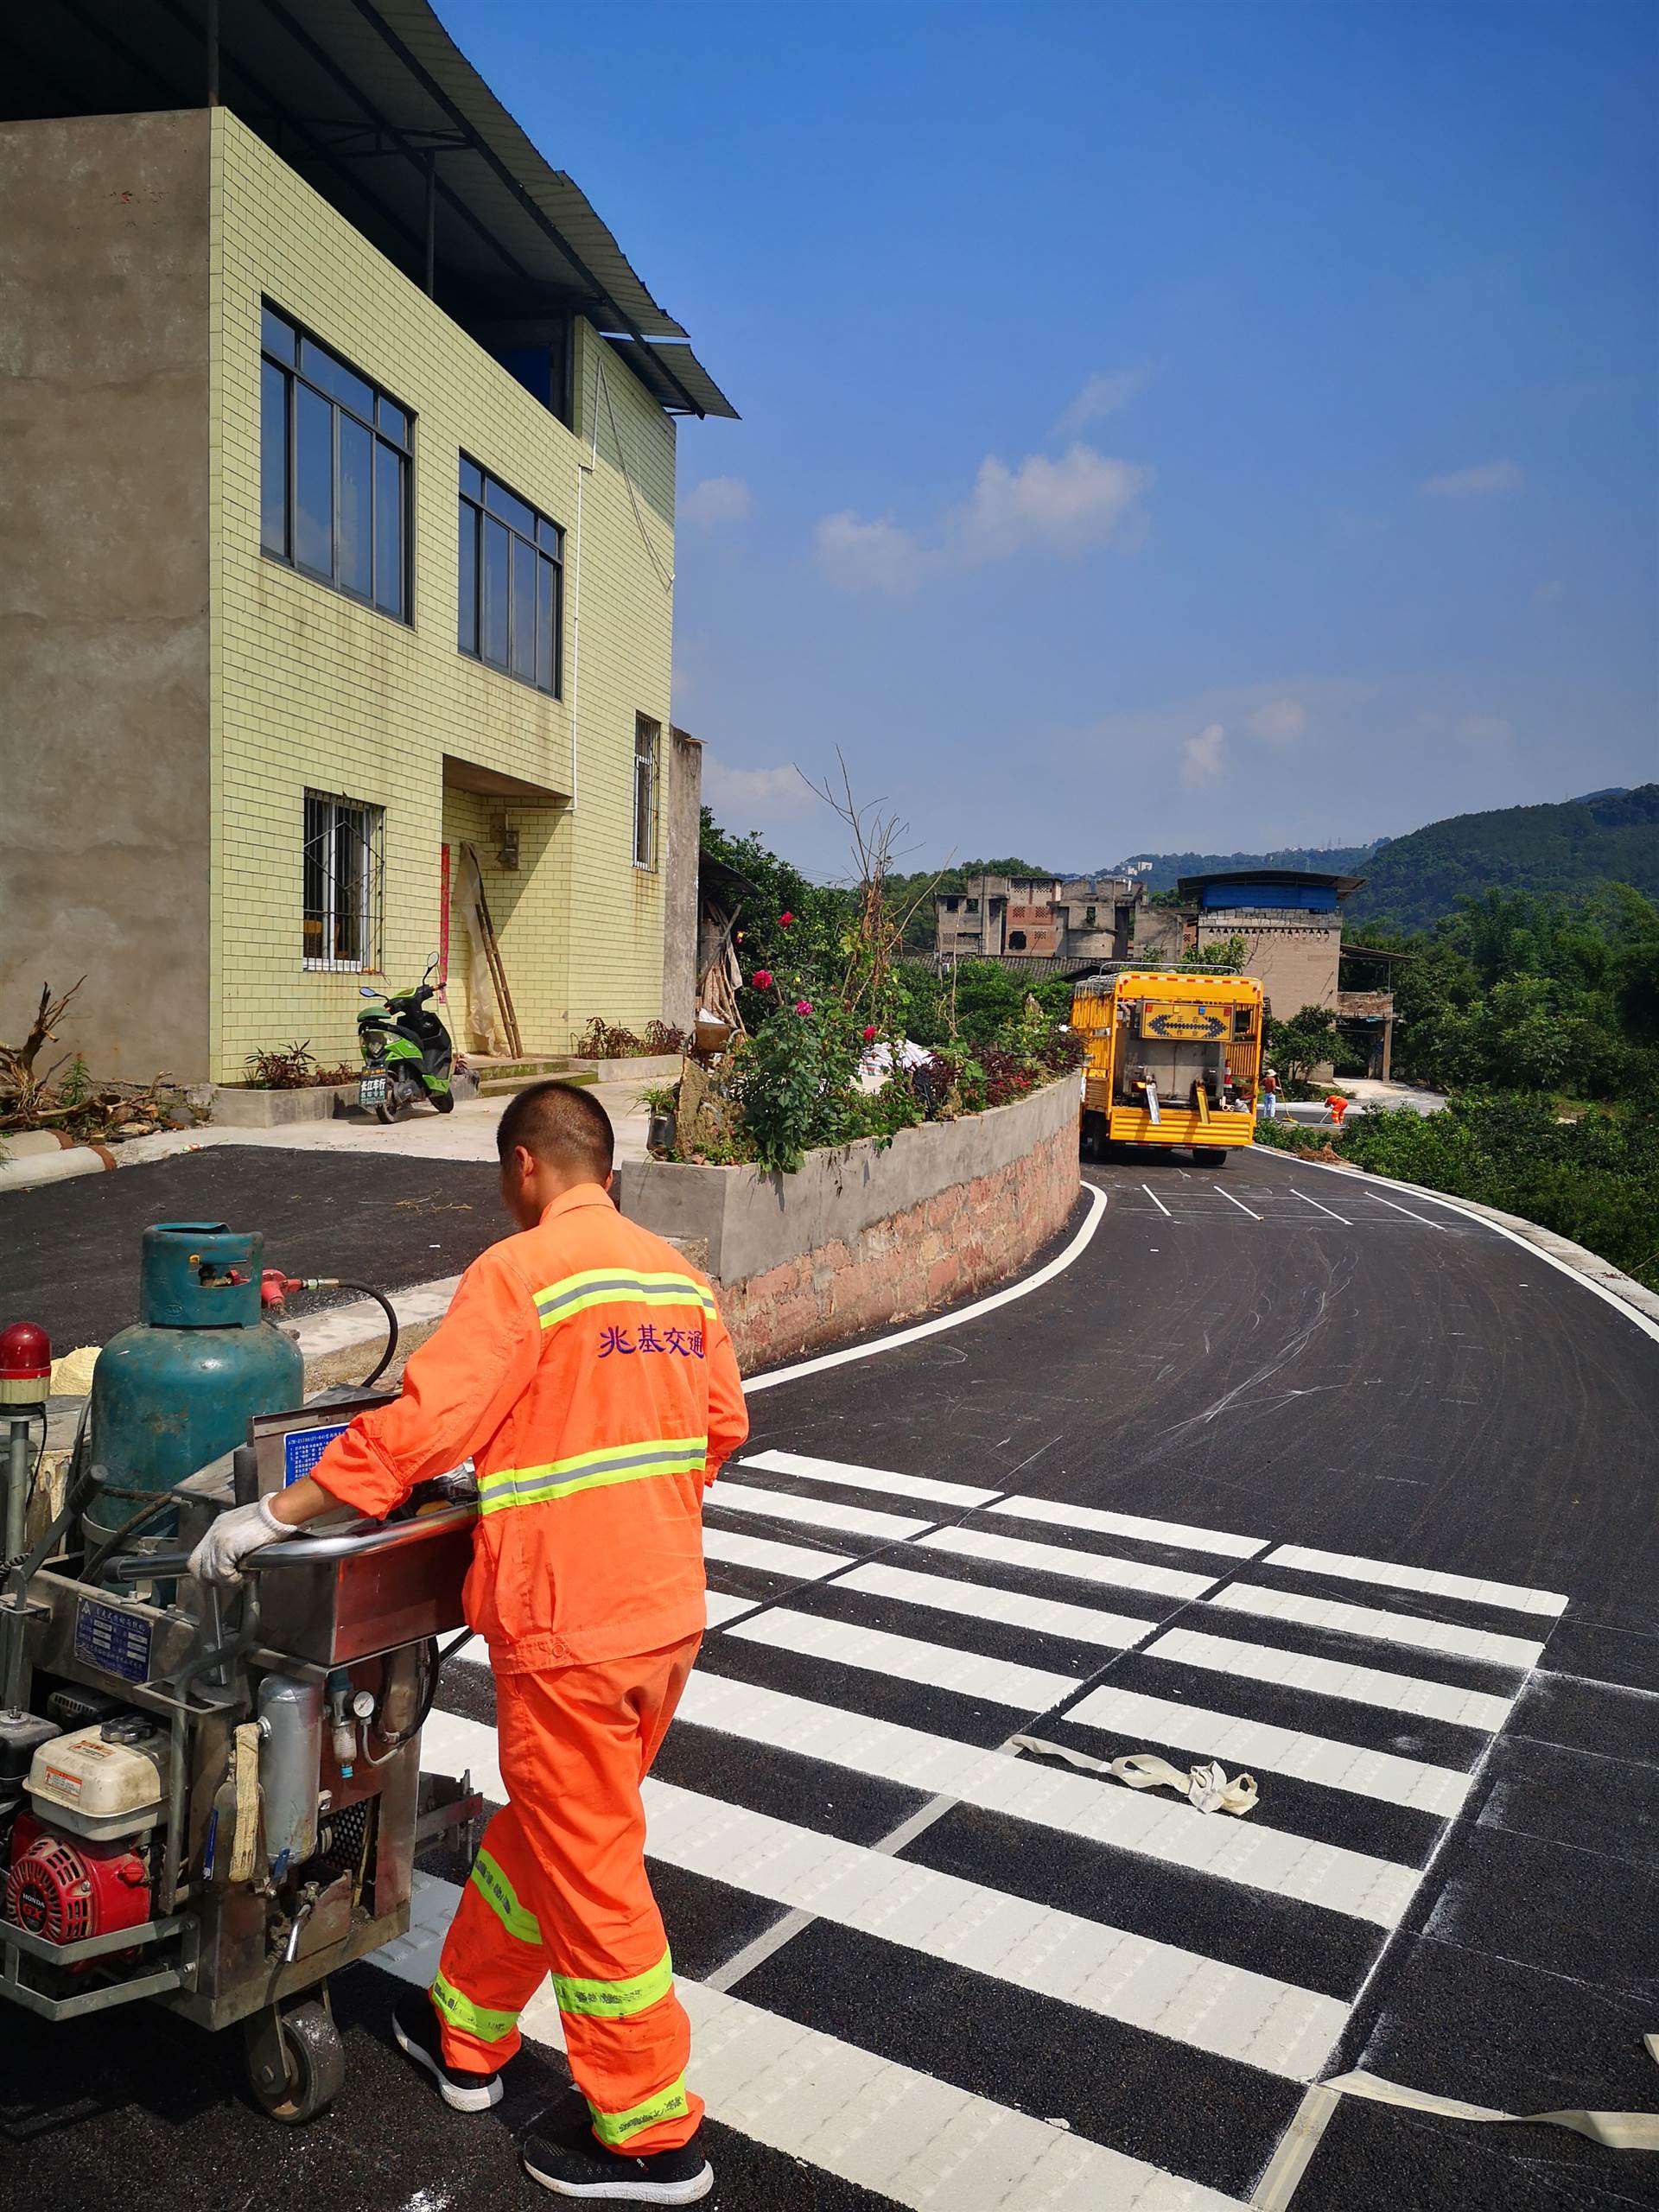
[1286, 1469]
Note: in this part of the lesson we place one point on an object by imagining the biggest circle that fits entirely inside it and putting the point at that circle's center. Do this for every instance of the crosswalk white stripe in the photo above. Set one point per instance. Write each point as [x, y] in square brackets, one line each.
[1352, 1882]
[734, 1548]
[723, 1608]
[936, 1666]
[1294, 1670]
[1448, 1636]
[1061, 1559]
[1252, 1744]
[988, 1602]
[882, 2126]
[1176, 1533]
[1512, 1597]
[1251, 2018]
[812, 1512]
[850, 1477]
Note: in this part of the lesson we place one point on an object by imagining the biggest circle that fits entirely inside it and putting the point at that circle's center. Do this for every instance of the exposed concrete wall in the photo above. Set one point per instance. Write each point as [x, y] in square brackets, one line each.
[1294, 960]
[104, 659]
[860, 1237]
[682, 830]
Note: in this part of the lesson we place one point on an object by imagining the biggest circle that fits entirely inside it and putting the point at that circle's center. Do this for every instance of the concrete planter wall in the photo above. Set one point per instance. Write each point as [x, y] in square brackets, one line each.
[860, 1237]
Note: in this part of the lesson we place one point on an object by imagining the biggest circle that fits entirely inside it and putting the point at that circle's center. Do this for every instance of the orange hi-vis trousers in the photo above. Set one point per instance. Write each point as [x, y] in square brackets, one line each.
[560, 1887]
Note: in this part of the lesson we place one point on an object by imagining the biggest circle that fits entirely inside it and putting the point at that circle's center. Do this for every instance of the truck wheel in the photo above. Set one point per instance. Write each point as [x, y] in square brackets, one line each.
[315, 2061]
[1210, 1155]
[1094, 1136]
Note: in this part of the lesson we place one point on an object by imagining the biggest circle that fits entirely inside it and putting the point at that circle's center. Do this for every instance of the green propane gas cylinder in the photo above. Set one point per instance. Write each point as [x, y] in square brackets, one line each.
[177, 1389]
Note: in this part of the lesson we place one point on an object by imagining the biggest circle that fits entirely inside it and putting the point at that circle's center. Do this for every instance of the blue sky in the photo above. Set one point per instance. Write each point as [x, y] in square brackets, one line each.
[1165, 426]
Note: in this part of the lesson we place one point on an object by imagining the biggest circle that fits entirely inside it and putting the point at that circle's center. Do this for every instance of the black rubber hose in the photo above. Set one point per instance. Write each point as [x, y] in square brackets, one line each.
[162, 1501]
[384, 1304]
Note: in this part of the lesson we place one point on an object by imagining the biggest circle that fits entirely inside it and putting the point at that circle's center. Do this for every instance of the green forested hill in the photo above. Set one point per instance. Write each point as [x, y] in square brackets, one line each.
[1568, 848]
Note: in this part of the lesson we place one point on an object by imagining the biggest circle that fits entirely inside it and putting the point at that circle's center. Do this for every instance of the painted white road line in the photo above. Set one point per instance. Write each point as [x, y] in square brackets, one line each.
[1158, 1202]
[1423, 1218]
[876, 1478]
[1306, 1201]
[908, 1659]
[1253, 1743]
[868, 2121]
[812, 1512]
[1448, 1636]
[733, 1547]
[984, 1602]
[1239, 1203]
[1513, 1597]
[1294, 1670]
[960, 1318]
[722, 1608]
[1105, 1523]
[1352, 1882]
[1060, 1558]
[1192, 1999]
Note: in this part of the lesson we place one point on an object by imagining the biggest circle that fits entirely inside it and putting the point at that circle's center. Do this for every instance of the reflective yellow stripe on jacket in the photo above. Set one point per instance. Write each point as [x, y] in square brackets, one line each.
[613, 1463]
[578, 1293]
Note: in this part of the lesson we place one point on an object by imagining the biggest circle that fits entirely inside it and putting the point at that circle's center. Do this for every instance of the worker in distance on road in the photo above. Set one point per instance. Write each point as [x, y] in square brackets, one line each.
[584, 1369]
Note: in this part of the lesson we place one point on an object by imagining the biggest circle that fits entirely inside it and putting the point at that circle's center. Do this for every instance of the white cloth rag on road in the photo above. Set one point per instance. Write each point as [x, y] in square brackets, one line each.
[1204, 1787]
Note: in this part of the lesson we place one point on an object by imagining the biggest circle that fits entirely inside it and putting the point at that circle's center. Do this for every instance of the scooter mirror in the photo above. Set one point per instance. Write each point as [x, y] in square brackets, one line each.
[364, 991]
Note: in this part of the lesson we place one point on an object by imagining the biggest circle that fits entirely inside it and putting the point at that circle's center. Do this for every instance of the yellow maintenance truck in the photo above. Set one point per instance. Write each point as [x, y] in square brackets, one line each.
[1169, 1058]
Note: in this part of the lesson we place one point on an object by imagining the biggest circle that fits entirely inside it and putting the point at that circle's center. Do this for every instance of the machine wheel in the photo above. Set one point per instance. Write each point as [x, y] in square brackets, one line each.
[315, 2060]
[444, 1101]
[1210, 1155]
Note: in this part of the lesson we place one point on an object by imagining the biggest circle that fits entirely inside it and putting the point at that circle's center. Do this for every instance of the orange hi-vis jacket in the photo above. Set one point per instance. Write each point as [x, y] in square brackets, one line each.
[584, 1369]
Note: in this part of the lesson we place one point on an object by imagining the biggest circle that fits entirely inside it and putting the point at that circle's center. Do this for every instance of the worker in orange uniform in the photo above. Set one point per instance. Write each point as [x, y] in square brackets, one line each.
[584, 1369]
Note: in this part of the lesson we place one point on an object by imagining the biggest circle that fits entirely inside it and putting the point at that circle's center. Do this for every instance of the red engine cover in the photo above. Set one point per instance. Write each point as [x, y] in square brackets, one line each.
[62, 1887]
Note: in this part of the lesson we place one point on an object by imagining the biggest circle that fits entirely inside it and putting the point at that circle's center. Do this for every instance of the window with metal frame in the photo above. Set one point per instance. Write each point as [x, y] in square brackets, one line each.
[345, 843]
[512, 582]
[335, 462]
[647, 737]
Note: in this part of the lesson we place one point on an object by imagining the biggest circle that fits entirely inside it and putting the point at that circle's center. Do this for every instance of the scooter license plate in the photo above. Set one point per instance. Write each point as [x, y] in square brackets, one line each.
[371, 1089]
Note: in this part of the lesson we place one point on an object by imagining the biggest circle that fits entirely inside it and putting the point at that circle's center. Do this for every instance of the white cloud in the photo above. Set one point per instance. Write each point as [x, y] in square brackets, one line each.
[717, 498]
[1064, 507]
[871, 556]
[1474, 483]
[774, 791]
[1281, 721]
[1484, 729]
[1201, 760]
[1545, 593]
[1103, 393]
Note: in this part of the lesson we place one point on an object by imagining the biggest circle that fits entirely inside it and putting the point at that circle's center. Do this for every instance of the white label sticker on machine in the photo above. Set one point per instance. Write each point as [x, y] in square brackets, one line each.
[303, 1448]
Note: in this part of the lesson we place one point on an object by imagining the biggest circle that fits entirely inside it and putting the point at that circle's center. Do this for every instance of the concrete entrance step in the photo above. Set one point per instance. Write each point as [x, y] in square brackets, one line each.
[498, 1078]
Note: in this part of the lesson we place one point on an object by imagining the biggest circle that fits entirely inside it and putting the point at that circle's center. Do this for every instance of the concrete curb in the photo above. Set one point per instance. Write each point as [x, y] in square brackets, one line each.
[342, 1344]
[33, 1170]
[1574, 1257]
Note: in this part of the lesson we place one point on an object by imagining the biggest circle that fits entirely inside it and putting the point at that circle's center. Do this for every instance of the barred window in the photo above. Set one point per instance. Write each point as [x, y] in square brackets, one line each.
[334, 462]
[645, 735]
[344, 842]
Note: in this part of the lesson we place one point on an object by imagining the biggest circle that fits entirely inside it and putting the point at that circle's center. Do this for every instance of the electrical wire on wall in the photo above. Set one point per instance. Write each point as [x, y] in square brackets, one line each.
[666, 576]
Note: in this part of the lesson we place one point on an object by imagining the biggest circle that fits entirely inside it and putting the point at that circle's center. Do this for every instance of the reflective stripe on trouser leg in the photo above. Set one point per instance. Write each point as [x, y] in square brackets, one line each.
[575, 1742]
[493, 1961]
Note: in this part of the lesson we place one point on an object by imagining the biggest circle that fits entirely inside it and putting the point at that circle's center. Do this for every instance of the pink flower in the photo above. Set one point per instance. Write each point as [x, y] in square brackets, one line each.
[784, 920]
[803, 1006]
[762, 979]
[870, 1036]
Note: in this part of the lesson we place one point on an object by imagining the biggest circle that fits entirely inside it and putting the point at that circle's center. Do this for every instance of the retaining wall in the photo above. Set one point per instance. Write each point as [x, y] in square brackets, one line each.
[859, 1237]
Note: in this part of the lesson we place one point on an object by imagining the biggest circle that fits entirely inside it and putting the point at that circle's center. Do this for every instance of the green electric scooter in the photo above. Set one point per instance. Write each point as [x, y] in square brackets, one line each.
[407, 1054]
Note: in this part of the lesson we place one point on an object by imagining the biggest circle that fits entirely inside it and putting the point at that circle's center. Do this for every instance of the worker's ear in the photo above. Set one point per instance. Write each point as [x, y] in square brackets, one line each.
[609, 1179]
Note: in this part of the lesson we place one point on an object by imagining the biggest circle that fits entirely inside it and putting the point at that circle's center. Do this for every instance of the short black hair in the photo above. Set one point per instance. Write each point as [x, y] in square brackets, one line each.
[562, 1124]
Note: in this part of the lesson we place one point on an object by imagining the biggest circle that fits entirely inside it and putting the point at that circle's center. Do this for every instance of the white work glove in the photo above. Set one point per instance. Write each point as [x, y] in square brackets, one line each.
[217, 1557]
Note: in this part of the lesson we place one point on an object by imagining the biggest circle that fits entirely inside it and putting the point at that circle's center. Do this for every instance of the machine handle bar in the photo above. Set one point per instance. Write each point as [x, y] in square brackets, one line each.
[363, 1536]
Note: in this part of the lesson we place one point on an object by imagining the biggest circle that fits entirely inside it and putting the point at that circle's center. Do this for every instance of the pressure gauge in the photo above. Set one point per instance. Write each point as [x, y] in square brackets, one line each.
[363, 1705]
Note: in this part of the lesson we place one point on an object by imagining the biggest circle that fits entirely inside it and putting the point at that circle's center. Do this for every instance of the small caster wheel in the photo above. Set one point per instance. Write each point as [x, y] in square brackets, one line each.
[314, 2061]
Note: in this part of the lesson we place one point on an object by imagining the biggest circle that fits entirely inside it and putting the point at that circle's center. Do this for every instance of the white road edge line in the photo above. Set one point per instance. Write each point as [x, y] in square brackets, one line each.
[1158, 1202]
[1306, 1201]
[1057, 1266]
[1648, 1328]
[1232, 1201]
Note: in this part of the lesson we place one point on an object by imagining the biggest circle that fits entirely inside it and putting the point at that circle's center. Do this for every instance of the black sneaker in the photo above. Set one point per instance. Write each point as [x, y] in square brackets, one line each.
[579, 2165]
[415, 2024]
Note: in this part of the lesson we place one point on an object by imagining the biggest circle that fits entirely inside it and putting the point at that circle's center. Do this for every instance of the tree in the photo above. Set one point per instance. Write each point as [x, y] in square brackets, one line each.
[1296, 1046]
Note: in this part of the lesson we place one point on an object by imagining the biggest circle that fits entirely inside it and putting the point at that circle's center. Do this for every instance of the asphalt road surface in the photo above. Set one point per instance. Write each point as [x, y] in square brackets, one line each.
[1286, 1469]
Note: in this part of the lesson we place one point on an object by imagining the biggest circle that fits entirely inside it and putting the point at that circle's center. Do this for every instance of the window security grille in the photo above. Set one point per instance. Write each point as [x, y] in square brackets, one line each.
[343, 867]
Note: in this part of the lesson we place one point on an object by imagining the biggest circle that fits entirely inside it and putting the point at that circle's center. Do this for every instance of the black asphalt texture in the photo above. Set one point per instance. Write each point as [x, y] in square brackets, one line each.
[69, 1251]
[1265, 1349]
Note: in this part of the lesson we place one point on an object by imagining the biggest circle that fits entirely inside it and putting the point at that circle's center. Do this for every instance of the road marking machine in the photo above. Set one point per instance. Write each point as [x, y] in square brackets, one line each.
[211, 1801]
